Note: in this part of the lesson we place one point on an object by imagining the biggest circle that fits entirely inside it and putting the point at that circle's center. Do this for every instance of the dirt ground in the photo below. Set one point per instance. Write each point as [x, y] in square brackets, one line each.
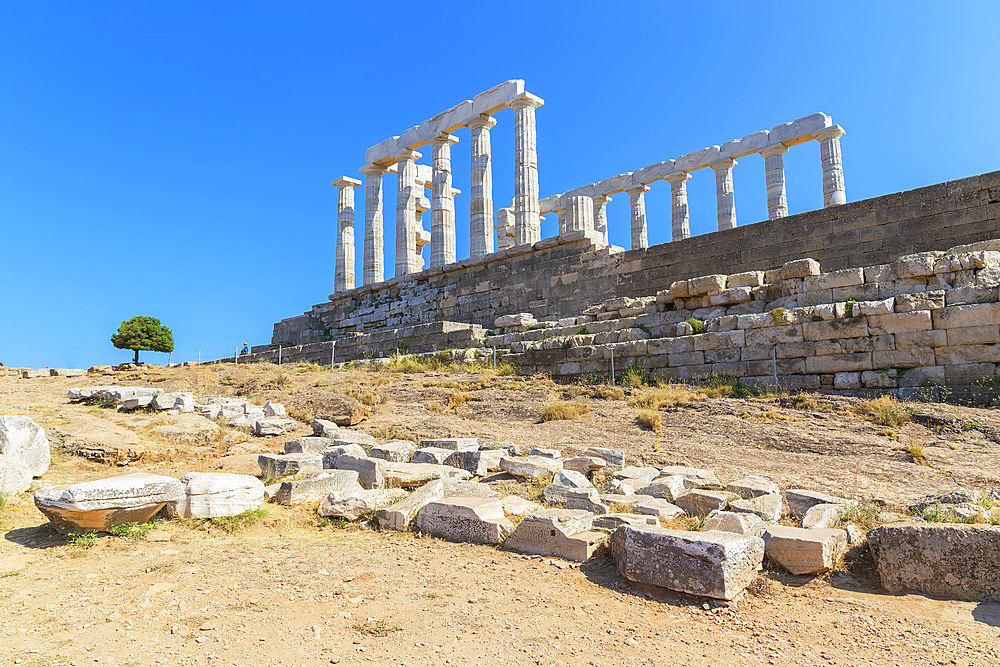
[292, 590]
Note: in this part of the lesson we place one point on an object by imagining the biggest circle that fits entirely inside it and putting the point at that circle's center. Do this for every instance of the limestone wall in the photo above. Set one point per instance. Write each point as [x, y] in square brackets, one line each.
[560, 277]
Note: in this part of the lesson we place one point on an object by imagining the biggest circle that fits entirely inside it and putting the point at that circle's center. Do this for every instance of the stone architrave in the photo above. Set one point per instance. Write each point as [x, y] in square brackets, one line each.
[442, 203]
[680, 219]
[774, 172]
[725, 197]
[640, 235]
[344, 274]
[505, 228]
[579, 214]
[103, 503]
[407, 196]
[834, 192]
[481, 199]
[374, 260]
[601, 216]
[527, 223]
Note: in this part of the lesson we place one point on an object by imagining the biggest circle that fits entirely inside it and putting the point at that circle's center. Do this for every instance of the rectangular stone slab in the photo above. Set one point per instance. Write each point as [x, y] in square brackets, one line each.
[477, 520]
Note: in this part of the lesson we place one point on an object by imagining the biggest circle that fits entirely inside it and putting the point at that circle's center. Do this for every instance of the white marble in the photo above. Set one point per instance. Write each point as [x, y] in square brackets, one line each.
[442, 203]
[579, 214]
[601, 216]
[527, 223]
[680, 219]
[407, 196]
[505, 228]
[344, 262]
[481, 193]
[725, 197]
[640, 237]
[374, 259]
[774, 172]
[834, 192]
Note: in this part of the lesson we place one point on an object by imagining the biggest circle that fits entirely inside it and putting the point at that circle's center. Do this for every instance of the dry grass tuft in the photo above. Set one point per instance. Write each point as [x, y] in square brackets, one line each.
[669, 396]
[564, 410]
[769, 416]
[916, 453]
[649, 419]
[884, 411]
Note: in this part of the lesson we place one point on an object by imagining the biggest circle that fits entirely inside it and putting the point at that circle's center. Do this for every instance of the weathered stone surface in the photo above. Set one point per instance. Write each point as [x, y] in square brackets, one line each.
[332, 454]
[735, 522]
[215, 494]
[345, 436]
[23, 439]
[699, 502]
[800, 500]
[394, 451]
[409, 475]
[557, 494]
[467, 488]
[718, 565]
[371, 472]
[752, 486]
[768, 507]
[274, 410]
[545, 452]
[434, 455]
[668, 488]
[613, 520]
[15, 476]
[472, 461]
[560, 533]
[453, 444]
[571, 479]
[530, 467]
[477, 520]
[694, 478]
[324, 428]
[103, 503]
[657, 507]
[136, 402]
[400, 515]
[317, 485]
[273, 426]
[516, 506]
[355, 505]
[183, 402]
[823, 515]
[954, 561]
[614, 457]
[585, 465]
[310, 445]
[805, 551]
[638, 473]
[276, 466]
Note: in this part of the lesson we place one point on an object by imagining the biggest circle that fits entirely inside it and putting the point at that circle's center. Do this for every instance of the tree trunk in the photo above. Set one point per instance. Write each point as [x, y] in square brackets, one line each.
[136, 357]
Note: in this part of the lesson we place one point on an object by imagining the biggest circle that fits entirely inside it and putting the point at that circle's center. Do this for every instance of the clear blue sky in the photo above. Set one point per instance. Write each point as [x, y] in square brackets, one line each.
[174, 159]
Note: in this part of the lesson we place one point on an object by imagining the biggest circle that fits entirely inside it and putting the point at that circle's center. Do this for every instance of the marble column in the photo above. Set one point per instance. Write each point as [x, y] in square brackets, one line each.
[343, 278]
[774, 173]
[579, 214]
[407, 194]
[374, 258]
[481, 203]
[442, 203]
[680, 219]
[505, 228]
[561, 215]
[640, 238]
[725, 198]
[601, 216]
[834, 193]
[527, 223]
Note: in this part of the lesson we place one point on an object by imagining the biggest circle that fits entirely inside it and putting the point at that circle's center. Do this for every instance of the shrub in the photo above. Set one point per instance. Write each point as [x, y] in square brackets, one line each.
[779, 315]
[670, 396]
[649, 419]
[564, 410]
[697, 325]
[85, 539]
[885, 411]
[633, 376]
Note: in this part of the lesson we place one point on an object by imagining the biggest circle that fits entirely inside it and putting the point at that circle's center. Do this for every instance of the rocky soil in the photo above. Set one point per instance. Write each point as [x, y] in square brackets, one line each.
[294, 590]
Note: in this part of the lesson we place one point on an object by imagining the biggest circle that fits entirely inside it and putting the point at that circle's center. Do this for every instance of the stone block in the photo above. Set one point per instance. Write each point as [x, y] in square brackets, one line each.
[345, 436]
[476, 520]
[24, 440]
[895, 323]
[973, 315]
[705, 284]
[768, 507]
[472, 461]
[355, 505]
[530, 467]
[637, 472]
[434, 455]
[324, 428]
[400, 515]
[800, 500]
[752, 486]
[103, 503]
[270, 426]
[545, 452]
[452, 444]
[15, 476]
[694, 478]
[834, 279]
[611, 521]
[315, 486]
[745, 279]
[216, 494]
[332, 454]
[371, 472]
[931, 300]
[850, 327]
[657, 507]
[740, 523]
[515, 506]
[560, 533]
[467, 488]
[394, 451]
[805, 551]
[667, 488]
[799, 268]
[698, 502]
[276, 466]
[308, 445]
[823, 515]
[585, 465]
[967, 354]
[274, 410]
[973, 335]
[837, 363]
[717, 565]
[409, 475]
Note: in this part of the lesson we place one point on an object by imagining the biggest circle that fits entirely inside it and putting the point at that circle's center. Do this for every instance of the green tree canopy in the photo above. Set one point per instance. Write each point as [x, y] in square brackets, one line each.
[143, 333]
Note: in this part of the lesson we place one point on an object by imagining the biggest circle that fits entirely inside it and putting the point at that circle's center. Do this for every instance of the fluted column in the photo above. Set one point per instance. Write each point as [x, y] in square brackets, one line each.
[774, 173]
[680, 219]
[725, 198]
[407, 260]
[561, 215]
[505, 228]
[374, 257]
[834, 193]
[481, 203]
[527, 223]
[601, 216]
[640, 238]
[343, 277]
[442, 203]
[579, 214]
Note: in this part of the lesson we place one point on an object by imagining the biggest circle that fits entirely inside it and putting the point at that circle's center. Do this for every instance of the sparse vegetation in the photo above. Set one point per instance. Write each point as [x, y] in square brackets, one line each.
[779, 315]
[633, 376]
[697, 326]
[670, 396]
[230, 524]
[137, 532]
[84, 539]
[916, 453]
[376, 628]
[768, 416]
[863, 515]
[649, 419]
[885, 411]
[564, 410]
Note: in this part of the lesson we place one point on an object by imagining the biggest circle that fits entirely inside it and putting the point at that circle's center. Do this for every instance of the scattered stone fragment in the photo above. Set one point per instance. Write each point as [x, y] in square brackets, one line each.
[317, 485]
[800, 500]
[273, 426]
[216, 494]
[611, 521]
[717, 565]
[571, 479]
[699, 502]
[347, 437]
[453, 444]
[371, 472]
[668, 488]
[585, 465]
[23, 439]
[805, 551]
[735, 522]
[823, 515]
[657, 507]
[518, 507]
[332, 454]
[401, 514]
[614, 457]
[768, 507]
[274, 410]
[752, 486]
[547, 453]
[409, 475]
[309, 444]
[694, 478]
[492, 458]
[396, 451]
[355, 505]
[435, 455]
[530, 467]
[472, 461]
[952, 561]
[637, 473]
[476, 520]
[276, 466]
[136, 402]
[183, 402]
[324, 428]
[15, 477]
[561, 533]
[103, 503]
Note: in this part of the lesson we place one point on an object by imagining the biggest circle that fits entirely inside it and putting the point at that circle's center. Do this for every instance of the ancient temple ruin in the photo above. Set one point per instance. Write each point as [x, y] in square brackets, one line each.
[570, 304]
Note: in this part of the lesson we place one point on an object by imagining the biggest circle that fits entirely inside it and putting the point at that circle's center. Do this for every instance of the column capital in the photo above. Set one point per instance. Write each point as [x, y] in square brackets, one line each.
[482, 121]
[526, 100]
[408, 154]
[772, 151]
[444, 139]
[373, 171]
[834, 132]
[637, 190]
[602, 199]
[346, 182]
[723, 164]
[678, 178]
